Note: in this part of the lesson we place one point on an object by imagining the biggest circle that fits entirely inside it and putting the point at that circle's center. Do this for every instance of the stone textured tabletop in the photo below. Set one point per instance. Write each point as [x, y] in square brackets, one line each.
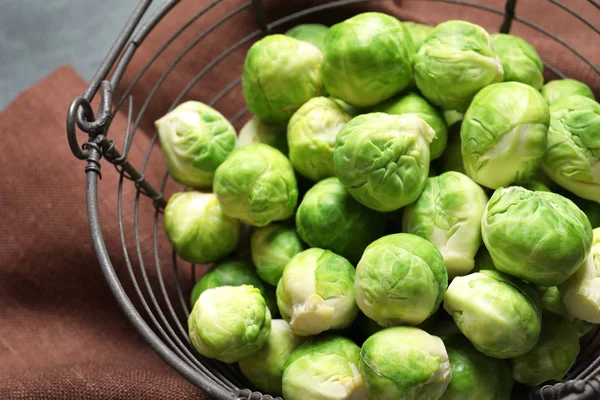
[37, 36]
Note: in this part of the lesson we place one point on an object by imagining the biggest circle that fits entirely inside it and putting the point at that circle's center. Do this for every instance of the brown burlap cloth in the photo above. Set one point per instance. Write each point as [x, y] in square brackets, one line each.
[62, 335]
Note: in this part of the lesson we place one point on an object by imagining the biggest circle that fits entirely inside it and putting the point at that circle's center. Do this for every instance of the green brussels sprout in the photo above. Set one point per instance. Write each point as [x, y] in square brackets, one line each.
[352, 111]
[367, 327]
[500, 315]
[233, 273]
[483, 261]
[590, 208]
[520, 61]
[581, 293]
[280, 74]
[475, 376]
[455, 61]
[572, 159]
[257, 185]
[551, 357]
[229, 323]
[404, 363]
[329, 218]
[452, 117]
[257, 131]
[418, 32]
[316, 292]
[412, 103]
[534, 186]
[552, 300]
[311, 137]
[312, 33]
[452, 159]
[560, 88]
[504, 134]
[383, 159]
[448, 214]
[540, 237]
[198, 229]
[400, 279]
[541, 177]
[264, 369]
[368, 59]
[582, 327]
[324, 368]
[272, 248]
[195, 140]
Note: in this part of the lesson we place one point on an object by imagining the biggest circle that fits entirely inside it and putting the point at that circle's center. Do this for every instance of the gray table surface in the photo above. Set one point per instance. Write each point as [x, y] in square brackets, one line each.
[36, 36]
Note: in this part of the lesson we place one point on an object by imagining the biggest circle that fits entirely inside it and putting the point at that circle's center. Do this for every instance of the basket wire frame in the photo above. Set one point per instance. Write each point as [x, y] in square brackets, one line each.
[165, 329]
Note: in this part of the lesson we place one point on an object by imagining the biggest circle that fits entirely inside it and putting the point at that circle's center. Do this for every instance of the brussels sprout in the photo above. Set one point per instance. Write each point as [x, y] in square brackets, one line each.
[198, 229]
[448, 214]
[257, 131]
[316, 292]
[560, 88]
[229, 323]
[455, 61]
[500, 315]
[264, 369]
[367, 327]
[452, 117]
[483, 261]
[541, 177]
[257, 185]
[280, 74]
[581, 293]
[233, 273]
[552, 300]
[195, 140]
[534, 186]
[368, 59]
[551, 357]
[540, 237]
[383, 159]
[400, 279]
[352, 111]
[312, 33]
[412, 103]
[452, 158]
[272, 248]
[311, 137]
[504, 134]
[328, 217]
[324, 368]
[418, 33]
[520, 61]
[590, 208]
[404, 363]
[572, 159]
[581, 327]
[475, 376]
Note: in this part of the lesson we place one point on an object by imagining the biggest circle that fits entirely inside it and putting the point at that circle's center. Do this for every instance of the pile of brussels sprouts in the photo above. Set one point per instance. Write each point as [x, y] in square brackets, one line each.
[413, 204]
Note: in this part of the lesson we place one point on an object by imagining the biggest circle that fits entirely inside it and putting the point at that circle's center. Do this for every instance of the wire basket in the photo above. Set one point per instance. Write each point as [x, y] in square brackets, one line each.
[150, 283]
